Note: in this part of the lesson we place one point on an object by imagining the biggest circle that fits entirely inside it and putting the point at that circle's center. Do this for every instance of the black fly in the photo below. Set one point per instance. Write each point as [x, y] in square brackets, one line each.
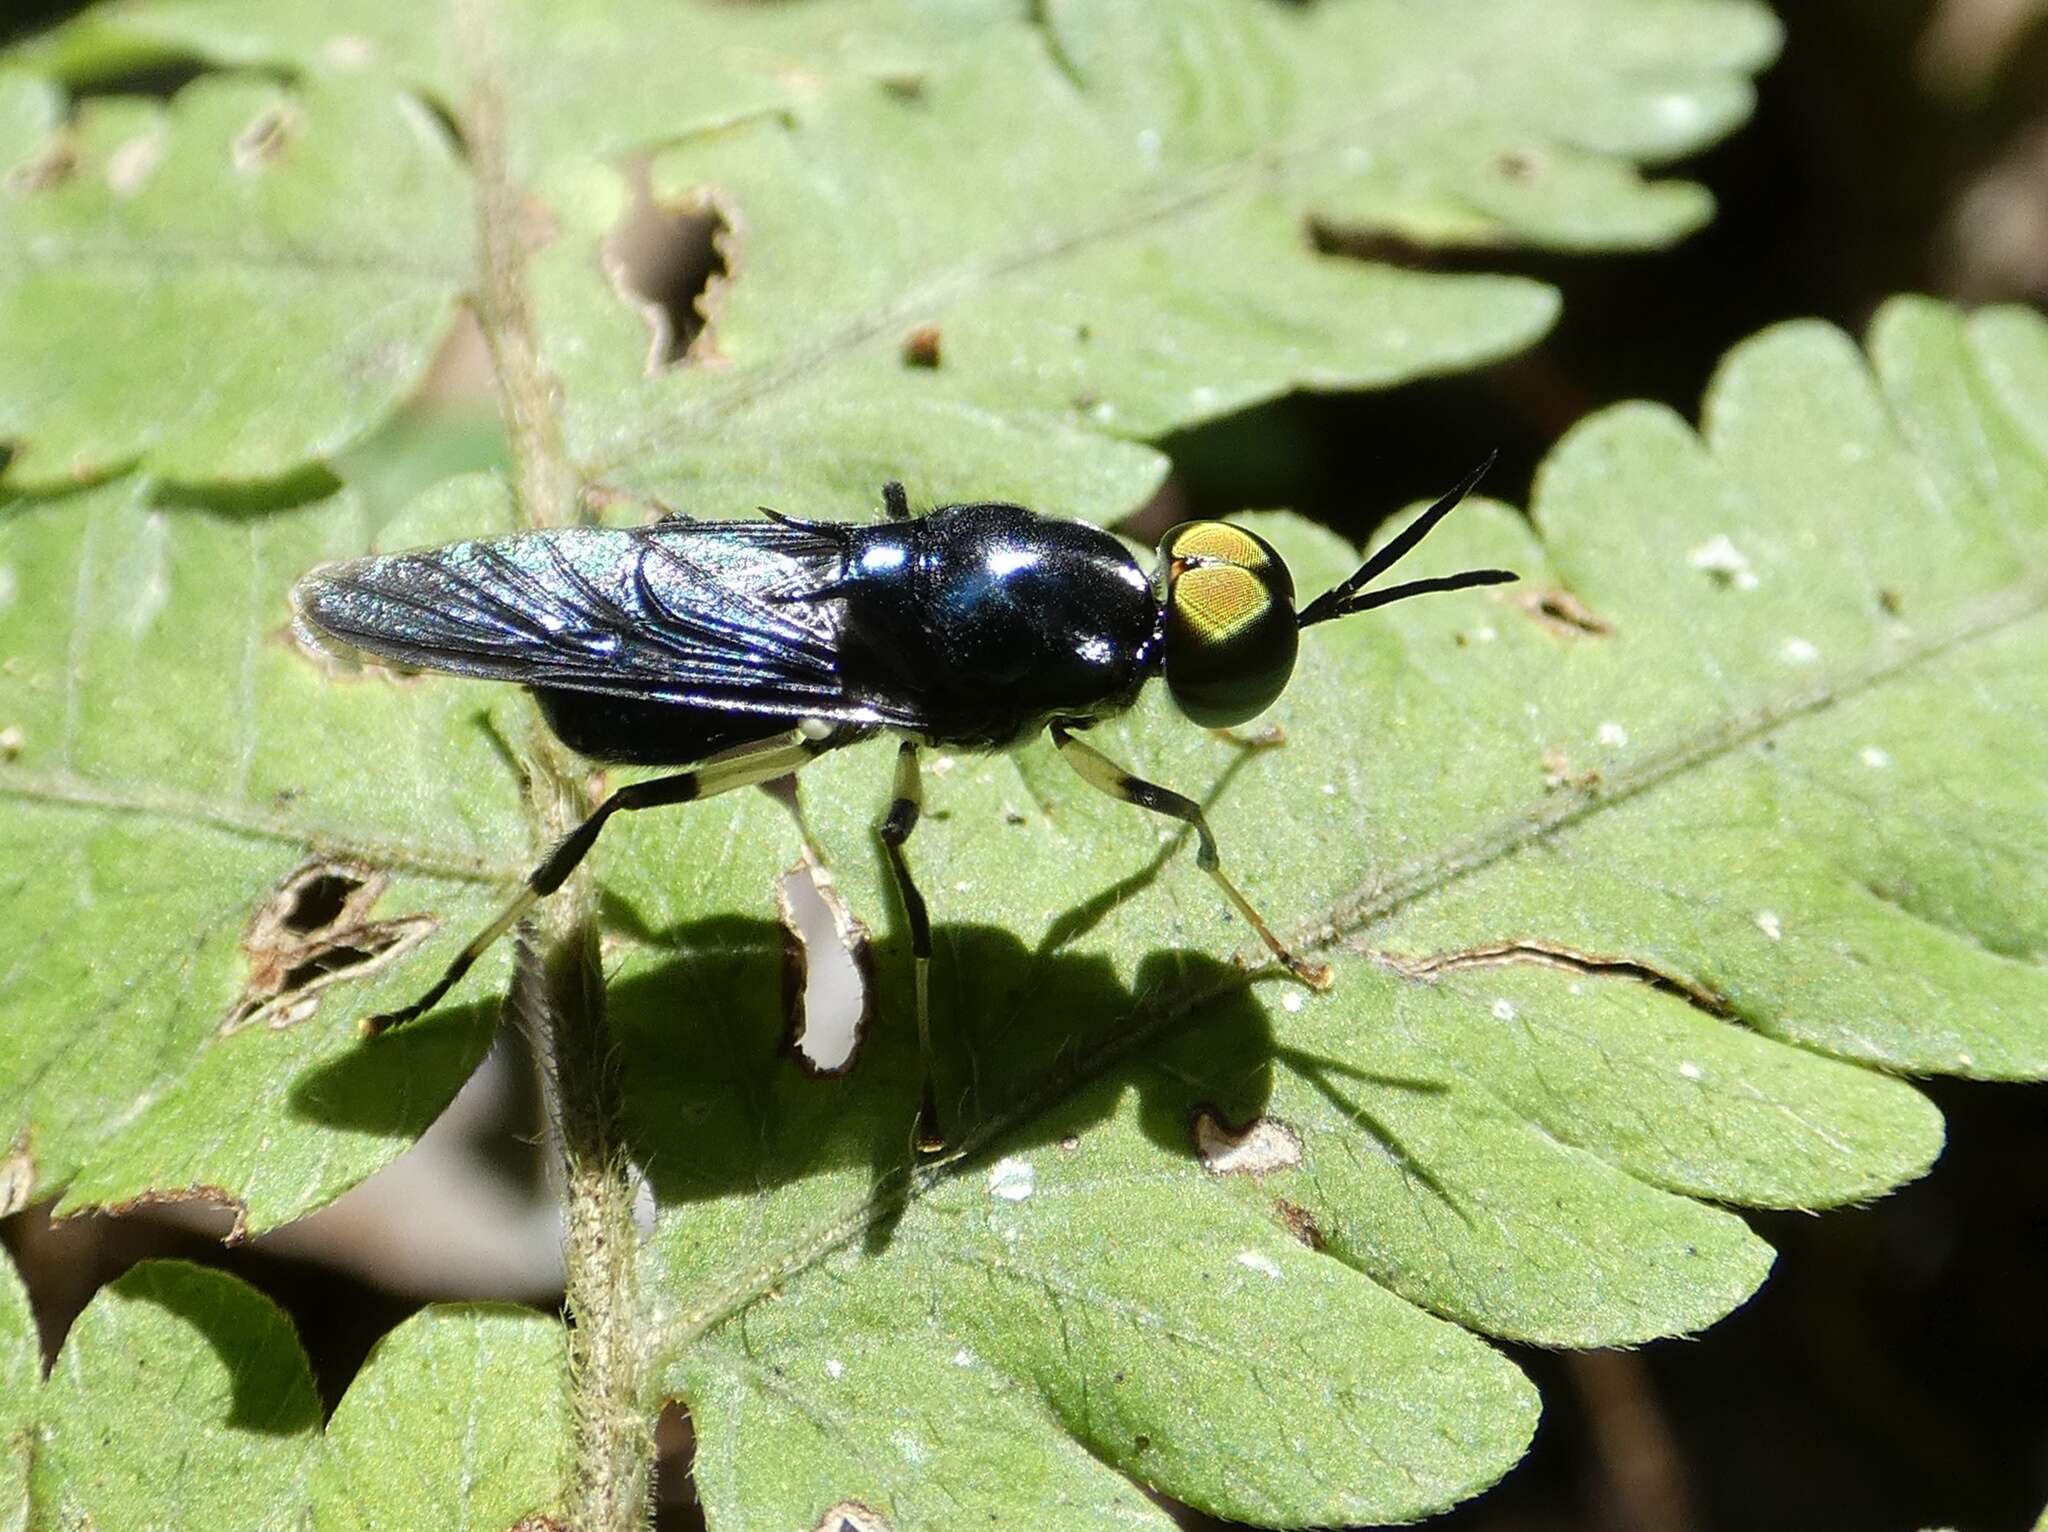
[745, 648]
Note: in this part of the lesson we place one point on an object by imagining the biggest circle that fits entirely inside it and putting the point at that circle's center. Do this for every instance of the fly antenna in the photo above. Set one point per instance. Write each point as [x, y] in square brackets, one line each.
[1350, 596]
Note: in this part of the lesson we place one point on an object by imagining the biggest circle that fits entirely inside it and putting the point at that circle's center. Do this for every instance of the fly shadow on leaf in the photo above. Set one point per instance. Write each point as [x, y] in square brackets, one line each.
[1034, 1048]
[395, 1085]
[718, 1101]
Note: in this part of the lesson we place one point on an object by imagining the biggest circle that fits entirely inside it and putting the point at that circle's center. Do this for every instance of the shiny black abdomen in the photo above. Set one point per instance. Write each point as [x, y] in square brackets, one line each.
[988, 620]
[632, 731]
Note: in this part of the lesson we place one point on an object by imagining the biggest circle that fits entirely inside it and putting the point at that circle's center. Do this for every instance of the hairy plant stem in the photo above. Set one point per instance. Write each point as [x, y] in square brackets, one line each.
[560, 998]
[546, 481]
[558, 988]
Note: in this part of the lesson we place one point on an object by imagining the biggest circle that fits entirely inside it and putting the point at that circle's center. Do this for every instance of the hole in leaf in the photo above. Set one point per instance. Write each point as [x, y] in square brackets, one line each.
[675, 1453]
[828, 991]
[670, 261]
[852, 1516]
[319, 900]
[314, 896]
[1259, 1147]
[314, 931]
[339, 958]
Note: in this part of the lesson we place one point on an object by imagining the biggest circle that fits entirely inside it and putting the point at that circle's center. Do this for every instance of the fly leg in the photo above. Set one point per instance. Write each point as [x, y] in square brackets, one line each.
[927, 1137]
[1098, 770]
[761, 762]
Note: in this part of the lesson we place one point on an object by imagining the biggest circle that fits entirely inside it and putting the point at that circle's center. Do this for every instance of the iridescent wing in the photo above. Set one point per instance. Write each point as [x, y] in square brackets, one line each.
[711, 614]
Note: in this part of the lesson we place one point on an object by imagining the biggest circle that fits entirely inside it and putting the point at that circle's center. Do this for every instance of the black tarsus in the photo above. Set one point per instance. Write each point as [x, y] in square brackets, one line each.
[895, 502]
[1343, 599]
[928, 1136]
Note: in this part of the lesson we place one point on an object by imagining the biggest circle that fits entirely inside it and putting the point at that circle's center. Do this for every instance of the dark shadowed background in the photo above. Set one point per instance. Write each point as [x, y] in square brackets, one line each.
[1893, 1373]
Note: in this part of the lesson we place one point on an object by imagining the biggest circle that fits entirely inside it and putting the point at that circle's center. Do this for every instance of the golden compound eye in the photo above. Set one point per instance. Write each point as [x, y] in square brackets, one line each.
[1216, 601]
[1220, 542]
[1230, 628]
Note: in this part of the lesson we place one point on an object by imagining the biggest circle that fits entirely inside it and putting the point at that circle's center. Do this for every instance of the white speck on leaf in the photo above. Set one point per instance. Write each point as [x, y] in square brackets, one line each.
[1767, 922]
[1012, 1179]
[1504, 1010]
[1264, 1265]
[150, 546]
[834, 1368]
[129, 166]
[348, 51]
[1727, 563]
[1487, 635]
[1291, 1002]
[963, 1358]
[1690, 1070]
[1612, 734]
[1679, 113]
[8, 586]
[645, 1208]
[943, 764]
[1798, 651]
[1875, 758]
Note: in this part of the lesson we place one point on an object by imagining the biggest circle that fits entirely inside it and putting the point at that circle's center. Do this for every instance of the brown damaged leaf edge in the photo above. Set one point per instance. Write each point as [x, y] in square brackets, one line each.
[853, 936]
[1256, 1148]
[1558, 774]
[1555, 955]
[852, 1516]
[312, 932]
[202, 1192]
[1301, 1223]
[1562, 613]
[54, 163]
[17, 1175]
[263, 142]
